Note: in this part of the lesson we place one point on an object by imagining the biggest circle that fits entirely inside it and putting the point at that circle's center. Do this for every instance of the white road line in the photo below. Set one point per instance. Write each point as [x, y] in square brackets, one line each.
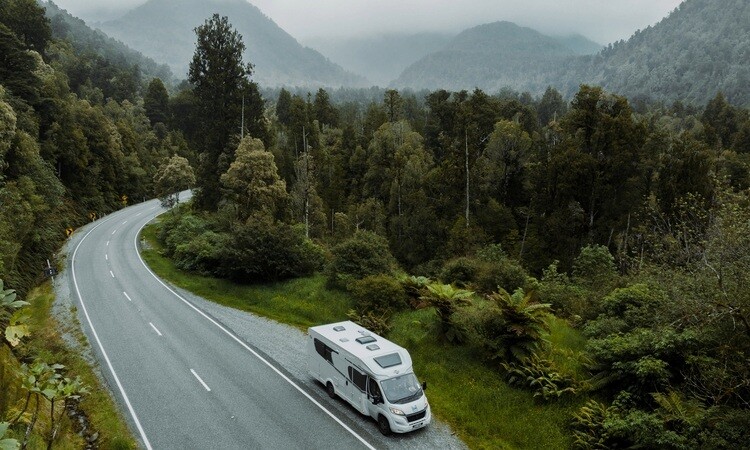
[106, 256]
[114, 231]
[125, 222]
[101, 347]
[107, 243]
[138, 214]
[249, 349]
[113, 275]
[157, 331]
[127, 296]
[199, 379]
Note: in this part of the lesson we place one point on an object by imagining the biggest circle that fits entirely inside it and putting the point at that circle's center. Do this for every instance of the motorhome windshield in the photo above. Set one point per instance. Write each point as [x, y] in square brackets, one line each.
[402, 389]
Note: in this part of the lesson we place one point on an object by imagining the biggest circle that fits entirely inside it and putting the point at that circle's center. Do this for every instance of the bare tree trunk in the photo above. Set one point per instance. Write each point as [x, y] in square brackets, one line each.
[31, 424]
[466, 135]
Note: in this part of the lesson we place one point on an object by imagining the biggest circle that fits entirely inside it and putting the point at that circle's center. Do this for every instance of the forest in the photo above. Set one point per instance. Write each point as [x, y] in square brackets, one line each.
[629, 223]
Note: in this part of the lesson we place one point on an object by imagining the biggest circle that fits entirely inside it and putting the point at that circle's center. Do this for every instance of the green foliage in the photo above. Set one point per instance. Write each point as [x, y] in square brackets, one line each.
[542, 377]
[174, 175]
[514, 327]
[378, 293]
[566, 298]
[594, 266]
[156, 102]
[460, 271]
[7, 443]
[362, 255]
[446, 299]
[377, 322]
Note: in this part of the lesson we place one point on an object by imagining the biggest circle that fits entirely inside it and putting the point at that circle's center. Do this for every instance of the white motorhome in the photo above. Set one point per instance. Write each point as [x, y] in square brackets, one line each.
[371, 373]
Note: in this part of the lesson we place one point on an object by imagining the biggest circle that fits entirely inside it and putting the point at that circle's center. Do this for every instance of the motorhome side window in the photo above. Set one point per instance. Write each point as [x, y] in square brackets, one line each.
[323, 350]
[374, 388]
[359, 379]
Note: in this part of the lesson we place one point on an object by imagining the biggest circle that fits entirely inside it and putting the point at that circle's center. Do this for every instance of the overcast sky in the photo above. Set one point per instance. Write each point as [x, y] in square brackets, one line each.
[601, 20]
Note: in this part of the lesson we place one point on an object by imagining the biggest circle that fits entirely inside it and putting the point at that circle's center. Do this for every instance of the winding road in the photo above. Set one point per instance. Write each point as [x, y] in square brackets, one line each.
[185, 380]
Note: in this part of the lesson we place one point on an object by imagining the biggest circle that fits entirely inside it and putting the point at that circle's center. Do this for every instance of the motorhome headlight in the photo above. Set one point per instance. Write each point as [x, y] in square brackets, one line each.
[397, 411]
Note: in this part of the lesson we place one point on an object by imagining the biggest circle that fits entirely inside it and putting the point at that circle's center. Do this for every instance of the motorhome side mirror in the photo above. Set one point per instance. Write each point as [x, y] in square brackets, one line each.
[424, 385]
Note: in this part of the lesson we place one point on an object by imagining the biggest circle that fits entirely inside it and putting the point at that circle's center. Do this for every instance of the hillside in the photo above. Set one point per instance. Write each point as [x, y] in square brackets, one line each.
[700, 48]
[163, 29]
[491, 56]
[84, 39]
[380, 58]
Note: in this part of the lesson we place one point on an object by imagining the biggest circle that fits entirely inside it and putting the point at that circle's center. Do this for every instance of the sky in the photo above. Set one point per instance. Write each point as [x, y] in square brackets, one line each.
[603, 21]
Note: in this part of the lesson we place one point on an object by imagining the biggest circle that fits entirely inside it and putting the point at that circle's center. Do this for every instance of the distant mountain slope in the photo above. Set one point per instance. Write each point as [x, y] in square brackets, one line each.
[380, 58]
[491, 56]
[87, 40]
[163, 29]
[701, 48]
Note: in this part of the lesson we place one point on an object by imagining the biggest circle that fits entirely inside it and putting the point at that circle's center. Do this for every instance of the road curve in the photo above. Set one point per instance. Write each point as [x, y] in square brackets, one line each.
[182, 378]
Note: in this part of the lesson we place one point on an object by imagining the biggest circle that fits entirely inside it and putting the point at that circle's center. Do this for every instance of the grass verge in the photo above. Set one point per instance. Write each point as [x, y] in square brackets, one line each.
[465, 392]
[46, 344]
[302, 302]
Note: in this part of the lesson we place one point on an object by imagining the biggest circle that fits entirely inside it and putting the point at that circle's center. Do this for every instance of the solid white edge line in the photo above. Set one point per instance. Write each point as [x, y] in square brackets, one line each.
[199, 379]
[101, 347]
[127, 296]
[248, 348]
[154, 327]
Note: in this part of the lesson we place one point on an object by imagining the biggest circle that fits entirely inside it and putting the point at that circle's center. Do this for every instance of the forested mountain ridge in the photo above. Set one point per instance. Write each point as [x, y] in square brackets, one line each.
[382, 58]
[163, 29]
[701, 48]
[86, 40]
[492, 56]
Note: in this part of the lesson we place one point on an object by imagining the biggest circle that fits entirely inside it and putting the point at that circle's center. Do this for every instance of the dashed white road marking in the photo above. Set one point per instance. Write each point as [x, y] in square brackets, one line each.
[113, 275]
[127, 296]
[106, 256]
[125, 222]
[199, 379]
[157, 331]
[114, 231]
[107, 243]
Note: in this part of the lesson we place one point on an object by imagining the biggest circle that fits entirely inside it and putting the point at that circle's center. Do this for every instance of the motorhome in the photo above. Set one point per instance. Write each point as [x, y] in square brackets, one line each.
[371, 373]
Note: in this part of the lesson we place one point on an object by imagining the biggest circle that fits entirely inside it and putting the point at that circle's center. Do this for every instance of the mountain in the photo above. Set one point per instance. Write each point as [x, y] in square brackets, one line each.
[701, 48]
[86, 40]
[380, 58]
[163, 29]
[491, 57]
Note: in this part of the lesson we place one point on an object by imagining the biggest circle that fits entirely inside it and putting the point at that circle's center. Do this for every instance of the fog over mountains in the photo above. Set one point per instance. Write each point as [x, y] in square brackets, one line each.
[698, 49]
[163, 30]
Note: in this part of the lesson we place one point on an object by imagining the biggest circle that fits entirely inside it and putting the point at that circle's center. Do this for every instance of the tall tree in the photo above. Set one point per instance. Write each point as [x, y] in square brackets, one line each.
[156, 102]
[221, 79]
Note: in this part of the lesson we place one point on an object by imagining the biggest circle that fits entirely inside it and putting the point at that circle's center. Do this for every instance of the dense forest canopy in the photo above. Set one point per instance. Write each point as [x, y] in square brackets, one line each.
[629, 223]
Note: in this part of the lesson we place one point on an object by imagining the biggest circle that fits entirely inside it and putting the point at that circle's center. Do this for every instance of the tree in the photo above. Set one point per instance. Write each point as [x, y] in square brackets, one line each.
[172, 176]
[221, 79]
[393, 105]
[27, 20]
[551, 106]
[324, 111]
[156, 102]
[445, 299]
[283, 107]
[252, 182]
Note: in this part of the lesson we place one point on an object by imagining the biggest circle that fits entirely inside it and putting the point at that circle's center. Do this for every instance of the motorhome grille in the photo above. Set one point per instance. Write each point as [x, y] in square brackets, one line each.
[365, 339]
[418, 416]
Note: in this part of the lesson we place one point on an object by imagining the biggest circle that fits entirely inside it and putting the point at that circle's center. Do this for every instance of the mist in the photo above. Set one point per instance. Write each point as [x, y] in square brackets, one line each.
[603, 21]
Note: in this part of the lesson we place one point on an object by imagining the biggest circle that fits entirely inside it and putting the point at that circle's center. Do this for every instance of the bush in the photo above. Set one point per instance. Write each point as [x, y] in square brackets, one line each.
[362, 255]
[378, 293]
[542, 377]
[569, 300]
[506, 274]
[460, 271]
[262, 250]
[377, 323]
[201, 253]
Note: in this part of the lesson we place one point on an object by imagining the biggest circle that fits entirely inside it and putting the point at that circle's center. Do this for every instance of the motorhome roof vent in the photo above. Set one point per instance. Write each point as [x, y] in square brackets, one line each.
[373, 347]
[344, 339]
[365, 339]
[339, 328]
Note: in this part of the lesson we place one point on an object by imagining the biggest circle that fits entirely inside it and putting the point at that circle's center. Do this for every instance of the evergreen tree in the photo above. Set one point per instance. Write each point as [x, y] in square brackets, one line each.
[156, 102]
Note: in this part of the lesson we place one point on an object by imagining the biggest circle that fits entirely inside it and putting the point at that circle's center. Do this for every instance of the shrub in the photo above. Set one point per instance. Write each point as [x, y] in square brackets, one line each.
[262, 250]
[378, 293]
[362, 255]
[377, 323]
[567, 299]
[542, 377]
[512, 329]
[460, 271]
[506, 274]
[202, 253]
[445, 298]
[594, 266]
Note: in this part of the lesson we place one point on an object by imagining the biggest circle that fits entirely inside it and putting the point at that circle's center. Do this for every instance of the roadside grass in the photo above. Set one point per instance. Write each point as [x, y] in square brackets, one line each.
[471, 395]
[47, 344]
[301, 302]
[464, 391]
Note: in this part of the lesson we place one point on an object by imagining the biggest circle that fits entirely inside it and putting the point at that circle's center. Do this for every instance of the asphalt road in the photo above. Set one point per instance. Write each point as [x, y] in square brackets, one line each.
[183, 379]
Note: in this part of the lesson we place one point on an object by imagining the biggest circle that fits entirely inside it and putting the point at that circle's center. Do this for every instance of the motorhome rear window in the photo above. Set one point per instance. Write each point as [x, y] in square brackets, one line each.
[387, 361]
[365, 339]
